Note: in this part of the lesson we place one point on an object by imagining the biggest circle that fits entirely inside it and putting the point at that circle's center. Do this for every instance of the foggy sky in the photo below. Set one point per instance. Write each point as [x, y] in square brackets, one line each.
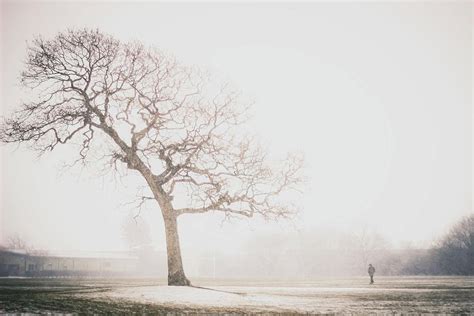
[377, 96]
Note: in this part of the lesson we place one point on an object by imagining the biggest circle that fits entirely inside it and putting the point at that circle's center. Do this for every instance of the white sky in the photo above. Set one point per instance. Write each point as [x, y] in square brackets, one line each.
[377, 96]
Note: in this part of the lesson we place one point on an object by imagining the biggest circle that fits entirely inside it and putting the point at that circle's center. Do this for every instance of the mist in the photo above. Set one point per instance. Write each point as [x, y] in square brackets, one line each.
[376, 97]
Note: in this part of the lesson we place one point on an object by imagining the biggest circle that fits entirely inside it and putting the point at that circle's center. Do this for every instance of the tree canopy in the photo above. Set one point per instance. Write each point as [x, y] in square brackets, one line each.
[181, 131]
[163, 117]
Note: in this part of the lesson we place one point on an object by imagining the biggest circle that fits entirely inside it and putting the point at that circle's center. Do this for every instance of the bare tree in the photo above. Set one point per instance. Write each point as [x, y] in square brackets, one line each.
[136, 232]
[17, 242]
[165, 121]
[454, 253]
[368, 244]
[461, 235]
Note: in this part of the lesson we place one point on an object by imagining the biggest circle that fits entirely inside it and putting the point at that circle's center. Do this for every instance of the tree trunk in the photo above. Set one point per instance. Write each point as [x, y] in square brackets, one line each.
[176, 274]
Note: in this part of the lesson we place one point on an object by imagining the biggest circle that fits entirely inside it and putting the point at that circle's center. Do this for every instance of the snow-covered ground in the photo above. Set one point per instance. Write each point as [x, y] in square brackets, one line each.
[423, 294]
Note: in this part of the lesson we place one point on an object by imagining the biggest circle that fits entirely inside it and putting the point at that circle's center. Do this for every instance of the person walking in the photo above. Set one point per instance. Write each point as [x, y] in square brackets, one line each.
[371, 273]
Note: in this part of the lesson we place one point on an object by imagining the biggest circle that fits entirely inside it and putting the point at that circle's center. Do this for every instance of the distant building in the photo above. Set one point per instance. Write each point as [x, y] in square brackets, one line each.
[15, 262]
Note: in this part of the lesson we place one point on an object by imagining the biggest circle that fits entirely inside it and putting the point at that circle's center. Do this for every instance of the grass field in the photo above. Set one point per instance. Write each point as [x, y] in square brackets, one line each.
[321, 296]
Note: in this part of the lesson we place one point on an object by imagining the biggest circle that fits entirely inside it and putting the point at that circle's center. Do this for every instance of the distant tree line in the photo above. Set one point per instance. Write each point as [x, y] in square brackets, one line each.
[315, 254]
[17, 242]
[308, 254]
[452, 255]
